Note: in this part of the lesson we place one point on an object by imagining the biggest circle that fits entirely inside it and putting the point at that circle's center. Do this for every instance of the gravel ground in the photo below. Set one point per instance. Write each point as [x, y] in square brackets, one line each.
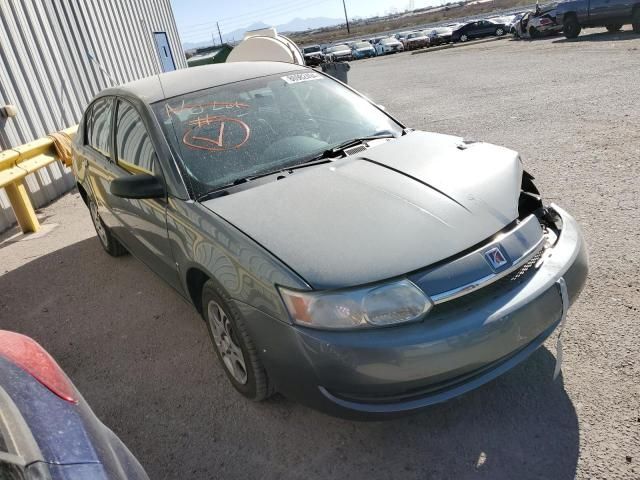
[142, 358]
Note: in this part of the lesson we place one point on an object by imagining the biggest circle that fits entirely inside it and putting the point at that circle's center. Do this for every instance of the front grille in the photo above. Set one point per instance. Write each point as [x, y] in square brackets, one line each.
[493, 290]
[522, 271]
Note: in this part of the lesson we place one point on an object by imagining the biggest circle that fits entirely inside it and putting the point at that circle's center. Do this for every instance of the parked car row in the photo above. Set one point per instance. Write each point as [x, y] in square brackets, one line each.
[568, 17]
[403, 41]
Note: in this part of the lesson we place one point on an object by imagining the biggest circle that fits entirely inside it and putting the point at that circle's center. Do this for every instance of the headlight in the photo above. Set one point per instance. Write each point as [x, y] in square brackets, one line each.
[374, 306]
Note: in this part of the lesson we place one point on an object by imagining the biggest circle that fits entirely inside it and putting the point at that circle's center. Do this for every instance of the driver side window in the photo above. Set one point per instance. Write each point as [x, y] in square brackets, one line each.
[134, 151]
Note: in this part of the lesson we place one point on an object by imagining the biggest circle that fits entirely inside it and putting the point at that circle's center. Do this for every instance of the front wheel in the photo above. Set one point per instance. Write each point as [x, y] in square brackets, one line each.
[571, 27]
[499, 32]
[463, 38]
[614, 27]
[233, 345]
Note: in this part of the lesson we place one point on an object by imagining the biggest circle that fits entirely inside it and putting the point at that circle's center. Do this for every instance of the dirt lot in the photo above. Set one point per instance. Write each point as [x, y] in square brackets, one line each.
[142, 358]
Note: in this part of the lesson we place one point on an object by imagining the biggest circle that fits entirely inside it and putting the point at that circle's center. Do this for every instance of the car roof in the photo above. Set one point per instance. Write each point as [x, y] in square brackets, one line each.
[179, 82]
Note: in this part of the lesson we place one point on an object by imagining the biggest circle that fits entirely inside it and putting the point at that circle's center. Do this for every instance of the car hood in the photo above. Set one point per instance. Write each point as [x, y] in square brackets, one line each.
[392, 209]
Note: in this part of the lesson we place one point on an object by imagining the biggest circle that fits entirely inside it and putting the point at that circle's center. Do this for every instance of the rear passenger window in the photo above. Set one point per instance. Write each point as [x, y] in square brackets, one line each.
[99, 126]
[133, 146]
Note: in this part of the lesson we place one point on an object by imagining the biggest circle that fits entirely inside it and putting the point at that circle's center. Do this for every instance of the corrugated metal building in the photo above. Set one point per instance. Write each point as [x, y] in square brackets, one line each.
[55, 55]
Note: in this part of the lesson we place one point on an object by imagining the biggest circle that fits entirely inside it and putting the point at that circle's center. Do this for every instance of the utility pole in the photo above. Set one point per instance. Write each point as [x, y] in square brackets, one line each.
[345, 16]
[219, 34]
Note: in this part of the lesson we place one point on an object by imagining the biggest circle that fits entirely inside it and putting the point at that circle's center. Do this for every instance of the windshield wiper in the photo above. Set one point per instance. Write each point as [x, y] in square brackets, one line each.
[357, 141]
[341, 147]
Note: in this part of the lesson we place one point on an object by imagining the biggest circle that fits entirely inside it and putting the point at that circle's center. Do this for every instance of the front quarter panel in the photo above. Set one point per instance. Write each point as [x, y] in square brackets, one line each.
[249, 274]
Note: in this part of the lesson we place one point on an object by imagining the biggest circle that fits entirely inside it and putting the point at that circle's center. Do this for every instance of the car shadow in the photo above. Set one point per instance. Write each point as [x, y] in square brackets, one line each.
[602, 37]
[143, 360]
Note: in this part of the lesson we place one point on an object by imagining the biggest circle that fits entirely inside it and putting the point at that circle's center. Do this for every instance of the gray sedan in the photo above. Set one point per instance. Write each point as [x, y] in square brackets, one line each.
[353, 264]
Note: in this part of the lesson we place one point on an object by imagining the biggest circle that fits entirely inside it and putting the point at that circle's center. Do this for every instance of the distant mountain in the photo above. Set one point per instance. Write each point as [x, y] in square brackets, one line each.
[295, 25]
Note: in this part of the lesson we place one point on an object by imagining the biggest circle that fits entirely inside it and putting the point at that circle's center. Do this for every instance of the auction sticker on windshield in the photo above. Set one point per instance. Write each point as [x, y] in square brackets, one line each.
[302, 77]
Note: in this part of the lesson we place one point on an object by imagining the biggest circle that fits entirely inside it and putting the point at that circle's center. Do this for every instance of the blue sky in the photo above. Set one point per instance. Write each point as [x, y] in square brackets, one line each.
[196, 18]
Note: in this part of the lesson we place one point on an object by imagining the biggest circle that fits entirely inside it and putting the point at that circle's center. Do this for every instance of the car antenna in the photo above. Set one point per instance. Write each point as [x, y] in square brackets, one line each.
[102, 69]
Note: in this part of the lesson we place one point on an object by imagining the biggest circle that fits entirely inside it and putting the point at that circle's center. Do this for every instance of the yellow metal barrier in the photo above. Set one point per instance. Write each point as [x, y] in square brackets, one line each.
[15, 165]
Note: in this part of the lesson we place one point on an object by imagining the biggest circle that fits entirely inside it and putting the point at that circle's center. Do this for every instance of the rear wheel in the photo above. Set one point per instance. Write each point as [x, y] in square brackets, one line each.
[533, 32]
[232, 344]
[614, 27]
[636, 20]
[571, 27]
[110, 243]
[463, 38]
[499, 32]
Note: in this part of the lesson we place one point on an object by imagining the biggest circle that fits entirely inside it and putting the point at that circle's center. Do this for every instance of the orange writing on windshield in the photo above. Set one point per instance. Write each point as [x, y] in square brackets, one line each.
[200, 108]
[216, 133]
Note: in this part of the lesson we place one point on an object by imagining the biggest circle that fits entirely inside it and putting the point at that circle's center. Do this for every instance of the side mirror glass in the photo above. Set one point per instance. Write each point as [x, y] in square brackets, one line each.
[139, 186]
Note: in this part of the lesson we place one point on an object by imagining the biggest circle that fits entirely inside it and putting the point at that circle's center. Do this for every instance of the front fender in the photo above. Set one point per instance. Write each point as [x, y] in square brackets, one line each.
[202, 240]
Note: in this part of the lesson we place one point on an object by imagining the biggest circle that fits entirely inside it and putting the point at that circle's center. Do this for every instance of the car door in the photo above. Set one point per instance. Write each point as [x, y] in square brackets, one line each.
[607, 12]
[96, 157]
[486, 28]
[471, 30]
[144, 221]
[598, 10]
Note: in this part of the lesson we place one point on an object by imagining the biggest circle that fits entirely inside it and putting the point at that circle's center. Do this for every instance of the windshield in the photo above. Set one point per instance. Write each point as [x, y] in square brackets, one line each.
[311, 49]
[363, 45]
[338, 48]
[389, 41]
[231, 132]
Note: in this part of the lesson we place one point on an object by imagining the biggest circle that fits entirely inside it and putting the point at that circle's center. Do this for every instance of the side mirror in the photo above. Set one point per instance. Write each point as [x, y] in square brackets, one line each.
[140, 185]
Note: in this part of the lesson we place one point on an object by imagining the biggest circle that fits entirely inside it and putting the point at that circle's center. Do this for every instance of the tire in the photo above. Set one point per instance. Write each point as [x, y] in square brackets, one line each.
[108, 241]
[233, 345]
[571, 27]
[614, 27]
[499, 32]
[635, 20]
[533, 33]
[463, 38]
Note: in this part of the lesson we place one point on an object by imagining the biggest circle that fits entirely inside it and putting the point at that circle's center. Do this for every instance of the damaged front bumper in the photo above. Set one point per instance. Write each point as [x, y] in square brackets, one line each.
[459, 346]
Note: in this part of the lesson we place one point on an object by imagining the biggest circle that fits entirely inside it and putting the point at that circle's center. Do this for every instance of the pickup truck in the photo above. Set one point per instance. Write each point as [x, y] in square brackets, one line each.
[573, 15]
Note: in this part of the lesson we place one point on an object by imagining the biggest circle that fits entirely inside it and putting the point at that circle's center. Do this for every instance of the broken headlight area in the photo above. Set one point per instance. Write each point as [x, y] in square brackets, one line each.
[530, 201]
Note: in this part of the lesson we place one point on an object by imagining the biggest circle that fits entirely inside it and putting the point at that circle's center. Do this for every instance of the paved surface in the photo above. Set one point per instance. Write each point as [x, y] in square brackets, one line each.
[143, 360]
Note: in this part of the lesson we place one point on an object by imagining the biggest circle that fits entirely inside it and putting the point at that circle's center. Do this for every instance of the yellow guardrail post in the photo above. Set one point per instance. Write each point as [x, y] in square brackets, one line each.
[22, 208]
[15, 165]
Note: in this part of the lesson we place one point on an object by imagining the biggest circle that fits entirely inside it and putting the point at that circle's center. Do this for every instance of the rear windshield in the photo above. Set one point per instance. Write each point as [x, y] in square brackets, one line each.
[225, 134]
